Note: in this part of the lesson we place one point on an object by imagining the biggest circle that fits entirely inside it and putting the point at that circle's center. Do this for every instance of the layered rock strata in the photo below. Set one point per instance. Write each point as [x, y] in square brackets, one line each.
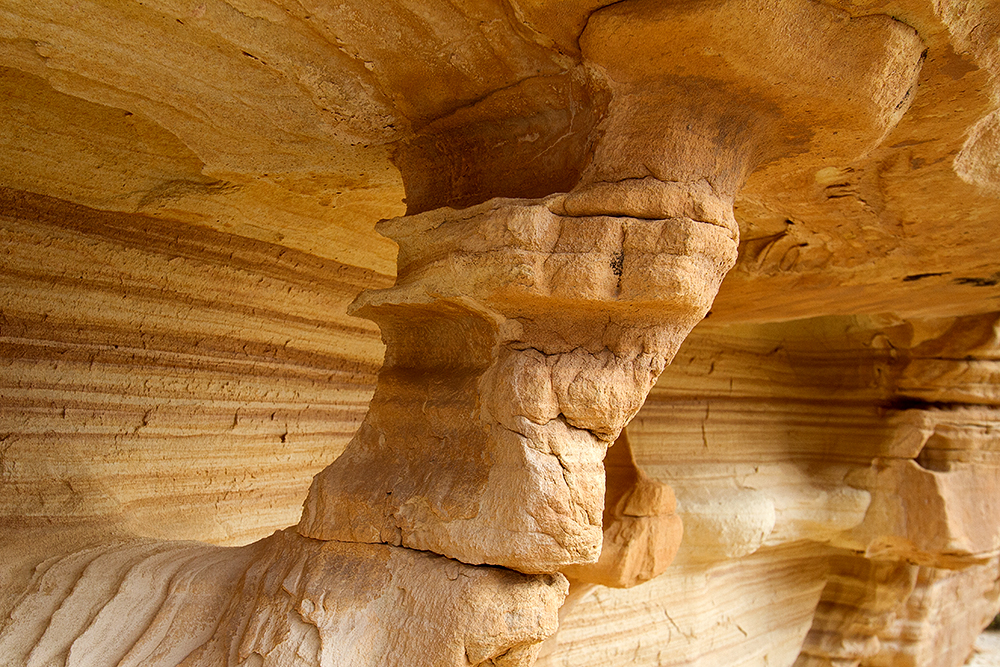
[187, 212]
[535, 443]
[168, 361]
[802, 456]
[286, 600]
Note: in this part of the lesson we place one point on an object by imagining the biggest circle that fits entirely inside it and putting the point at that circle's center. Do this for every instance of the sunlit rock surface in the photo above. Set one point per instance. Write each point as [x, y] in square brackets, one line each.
[199, 315]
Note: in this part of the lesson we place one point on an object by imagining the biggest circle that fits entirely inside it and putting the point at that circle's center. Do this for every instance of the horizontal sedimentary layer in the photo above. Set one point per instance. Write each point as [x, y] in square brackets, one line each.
[182, 380]
[283, 601]
[749, 611]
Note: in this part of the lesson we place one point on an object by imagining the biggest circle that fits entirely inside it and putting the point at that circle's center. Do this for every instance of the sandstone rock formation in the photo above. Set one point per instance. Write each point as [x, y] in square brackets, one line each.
[284, 600]
[688, 312]
[830, 528]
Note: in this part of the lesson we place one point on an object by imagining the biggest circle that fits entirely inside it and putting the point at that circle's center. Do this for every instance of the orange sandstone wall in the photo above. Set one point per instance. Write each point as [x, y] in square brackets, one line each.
[178, 381]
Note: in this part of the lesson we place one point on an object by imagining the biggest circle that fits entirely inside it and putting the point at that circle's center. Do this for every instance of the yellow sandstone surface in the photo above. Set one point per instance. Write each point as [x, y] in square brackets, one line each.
[499, 332]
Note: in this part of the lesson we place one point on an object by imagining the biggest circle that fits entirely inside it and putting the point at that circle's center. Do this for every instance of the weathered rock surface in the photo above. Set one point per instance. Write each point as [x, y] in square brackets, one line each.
[170, 379]
[188, 208]
[512, 397]
[286, 600]
[642, 530]
[802, 445]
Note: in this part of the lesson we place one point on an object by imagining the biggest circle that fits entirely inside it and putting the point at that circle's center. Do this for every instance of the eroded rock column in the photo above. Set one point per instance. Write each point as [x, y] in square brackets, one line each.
[521, 337]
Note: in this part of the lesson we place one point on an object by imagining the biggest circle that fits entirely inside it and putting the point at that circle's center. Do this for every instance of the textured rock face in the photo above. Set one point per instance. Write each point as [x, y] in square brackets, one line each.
[829, 528]
[512, 397]
[284, 600]
[552, 457]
